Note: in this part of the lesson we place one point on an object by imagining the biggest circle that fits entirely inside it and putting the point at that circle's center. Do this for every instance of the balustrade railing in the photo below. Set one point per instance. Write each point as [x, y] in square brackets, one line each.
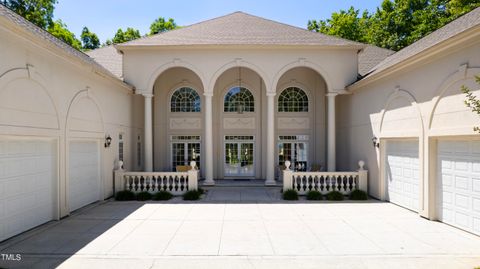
[324, 182]
[176, 183]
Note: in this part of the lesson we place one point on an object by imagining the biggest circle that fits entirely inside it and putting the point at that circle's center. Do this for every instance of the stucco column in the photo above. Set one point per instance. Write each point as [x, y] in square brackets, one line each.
[270, 180]
[148, 143]
[208, 140]
[331, 151]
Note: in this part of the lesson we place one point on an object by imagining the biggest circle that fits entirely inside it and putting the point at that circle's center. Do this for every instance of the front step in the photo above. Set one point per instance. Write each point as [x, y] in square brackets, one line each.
[240, 183]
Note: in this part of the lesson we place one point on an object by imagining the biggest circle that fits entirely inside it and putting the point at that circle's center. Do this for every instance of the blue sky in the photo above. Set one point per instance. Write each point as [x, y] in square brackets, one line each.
[104, 17]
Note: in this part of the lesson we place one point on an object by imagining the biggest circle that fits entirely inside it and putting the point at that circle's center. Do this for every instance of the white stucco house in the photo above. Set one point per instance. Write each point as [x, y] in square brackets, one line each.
[239, 95]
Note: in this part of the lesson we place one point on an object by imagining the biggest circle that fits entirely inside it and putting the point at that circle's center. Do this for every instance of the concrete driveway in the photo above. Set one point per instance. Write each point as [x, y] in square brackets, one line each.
[244, 235]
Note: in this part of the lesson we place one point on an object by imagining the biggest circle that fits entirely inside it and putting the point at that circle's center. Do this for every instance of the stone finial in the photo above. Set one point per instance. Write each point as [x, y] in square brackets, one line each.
[287, 165]
[193, 165]
[361, 164]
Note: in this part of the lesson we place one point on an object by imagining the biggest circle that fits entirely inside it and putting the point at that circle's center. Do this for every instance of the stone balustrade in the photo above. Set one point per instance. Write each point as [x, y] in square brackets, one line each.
[177, 183]
[324, 182]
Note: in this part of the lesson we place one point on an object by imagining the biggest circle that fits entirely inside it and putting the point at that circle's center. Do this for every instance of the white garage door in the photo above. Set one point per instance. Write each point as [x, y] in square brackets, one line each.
[84, 184]
[28, 173]
[402, 173]
[458, 185]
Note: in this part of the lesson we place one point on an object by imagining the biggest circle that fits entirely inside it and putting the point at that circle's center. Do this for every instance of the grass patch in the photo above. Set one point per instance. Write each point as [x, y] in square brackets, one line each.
[314, 195]
[191, 195]
[358, 195]
[335, 196]
[125, 196]
[162, 196]
[290, 195]
[144, 196]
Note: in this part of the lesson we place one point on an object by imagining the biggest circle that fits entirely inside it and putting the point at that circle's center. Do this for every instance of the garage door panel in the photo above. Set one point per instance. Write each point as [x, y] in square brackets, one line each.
[458, 188]
[402, 173]
[27, 184]
[84, 180]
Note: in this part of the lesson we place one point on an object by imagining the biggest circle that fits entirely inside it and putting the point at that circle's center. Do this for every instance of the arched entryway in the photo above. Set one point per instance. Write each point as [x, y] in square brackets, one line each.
[238, 112]
[178, 120]
[300, 117]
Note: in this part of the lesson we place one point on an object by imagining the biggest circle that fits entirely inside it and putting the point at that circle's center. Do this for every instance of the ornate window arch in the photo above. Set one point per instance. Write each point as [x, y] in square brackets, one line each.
[239, 99]
[293, 99]
[185, 99]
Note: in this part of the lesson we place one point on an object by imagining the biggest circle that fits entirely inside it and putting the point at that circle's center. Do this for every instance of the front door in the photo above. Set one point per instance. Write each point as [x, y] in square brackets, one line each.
[239, 156]
[294, 151]
[183, 152]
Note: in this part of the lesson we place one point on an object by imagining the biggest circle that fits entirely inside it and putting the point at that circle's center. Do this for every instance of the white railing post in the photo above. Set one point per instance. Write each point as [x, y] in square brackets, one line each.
[362, 177]
[287, 177]
[119, 184]
[193, 177]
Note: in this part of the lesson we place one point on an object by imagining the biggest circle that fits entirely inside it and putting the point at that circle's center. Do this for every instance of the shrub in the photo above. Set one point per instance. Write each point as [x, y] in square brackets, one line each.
[358, 195]
[125, 196]
[162, 196]
[314, 195]
[144, 196]
[191, 195]
[290, 195]
[201, 191]
[335, 196]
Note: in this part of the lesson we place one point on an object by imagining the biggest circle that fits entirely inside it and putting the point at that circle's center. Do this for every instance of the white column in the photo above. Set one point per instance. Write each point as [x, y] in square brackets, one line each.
[270, 180]
[208, 140]
[331, 158]
[148, 143]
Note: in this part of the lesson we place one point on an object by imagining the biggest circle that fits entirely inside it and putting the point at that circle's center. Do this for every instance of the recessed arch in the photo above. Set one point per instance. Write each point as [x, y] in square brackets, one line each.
[301, 63]
[408, 98]
[237, 64]
[173, 64]
[464, 73]
[85, 115]
[24, 93]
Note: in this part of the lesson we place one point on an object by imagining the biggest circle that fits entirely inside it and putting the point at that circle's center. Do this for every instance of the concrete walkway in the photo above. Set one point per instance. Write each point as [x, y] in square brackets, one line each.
[265, 234]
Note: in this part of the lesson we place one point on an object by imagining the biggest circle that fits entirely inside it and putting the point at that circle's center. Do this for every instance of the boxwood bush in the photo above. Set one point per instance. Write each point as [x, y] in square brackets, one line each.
[201, 191]
[162, 196]
[290, 195]
[191, 195]
[314, 195]
[335, 196]
[358, 195]
[144, 196]
[125, 196]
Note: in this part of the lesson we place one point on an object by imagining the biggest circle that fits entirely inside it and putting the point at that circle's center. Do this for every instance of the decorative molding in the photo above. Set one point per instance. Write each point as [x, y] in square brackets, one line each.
[239, 123]
[293, 123]
[185, 123]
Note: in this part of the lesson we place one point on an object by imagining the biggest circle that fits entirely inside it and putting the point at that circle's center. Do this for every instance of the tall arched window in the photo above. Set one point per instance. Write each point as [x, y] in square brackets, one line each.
[293, 99]
[185, 99]
[239, 99]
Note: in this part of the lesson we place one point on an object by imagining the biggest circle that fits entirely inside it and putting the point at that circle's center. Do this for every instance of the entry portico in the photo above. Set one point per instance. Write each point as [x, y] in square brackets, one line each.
[242, 104]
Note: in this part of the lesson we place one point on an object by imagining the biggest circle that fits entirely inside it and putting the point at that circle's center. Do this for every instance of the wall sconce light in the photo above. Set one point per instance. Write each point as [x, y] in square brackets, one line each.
[108, 141]
[375, 142]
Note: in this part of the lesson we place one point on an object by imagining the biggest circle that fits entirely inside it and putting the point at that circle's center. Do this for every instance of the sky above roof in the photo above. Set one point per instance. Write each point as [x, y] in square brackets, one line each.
[104, 17]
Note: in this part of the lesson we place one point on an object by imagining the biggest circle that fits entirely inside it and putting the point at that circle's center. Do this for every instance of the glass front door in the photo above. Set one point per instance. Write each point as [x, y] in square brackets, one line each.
[239, 157]
[185, 148]
[295, 152]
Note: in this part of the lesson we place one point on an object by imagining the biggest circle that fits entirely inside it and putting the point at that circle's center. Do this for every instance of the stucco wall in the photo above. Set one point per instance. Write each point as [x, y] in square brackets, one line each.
[43, 94]
[422, 101]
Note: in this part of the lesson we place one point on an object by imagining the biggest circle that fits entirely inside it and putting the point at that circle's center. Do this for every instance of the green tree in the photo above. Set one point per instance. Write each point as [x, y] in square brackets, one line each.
[121, 36]
[59, 30]
[39, 12]
[346, 24]
[90, 40]
[160, 25]
[396, 23]
[472, 101]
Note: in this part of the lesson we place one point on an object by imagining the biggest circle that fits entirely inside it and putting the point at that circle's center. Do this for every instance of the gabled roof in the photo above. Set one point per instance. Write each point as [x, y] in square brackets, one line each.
[109, 58]
[18, 21]
[451, 30]
[241, 29]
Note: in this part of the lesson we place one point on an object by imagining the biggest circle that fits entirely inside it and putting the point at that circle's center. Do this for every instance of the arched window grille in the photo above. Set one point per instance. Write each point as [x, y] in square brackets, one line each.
[239, 99]
[185, 99]
[293, 99]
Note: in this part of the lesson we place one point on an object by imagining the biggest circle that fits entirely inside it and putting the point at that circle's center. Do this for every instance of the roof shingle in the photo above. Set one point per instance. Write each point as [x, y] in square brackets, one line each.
[241, 29]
